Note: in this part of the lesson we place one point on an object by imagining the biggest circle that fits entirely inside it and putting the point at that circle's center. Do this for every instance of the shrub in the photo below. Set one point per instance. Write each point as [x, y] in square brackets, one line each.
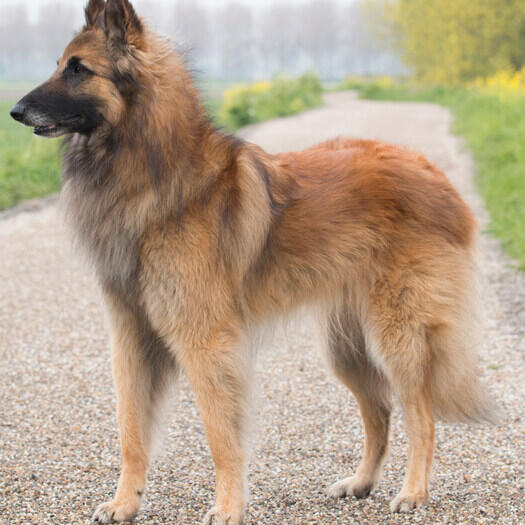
[503, 83]
[246, 104]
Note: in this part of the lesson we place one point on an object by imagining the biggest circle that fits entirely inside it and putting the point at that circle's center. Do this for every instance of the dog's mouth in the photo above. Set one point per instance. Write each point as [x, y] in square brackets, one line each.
[57, 129]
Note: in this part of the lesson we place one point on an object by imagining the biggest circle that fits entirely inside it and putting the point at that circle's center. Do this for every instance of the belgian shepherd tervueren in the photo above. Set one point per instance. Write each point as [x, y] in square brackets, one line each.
[198, 237]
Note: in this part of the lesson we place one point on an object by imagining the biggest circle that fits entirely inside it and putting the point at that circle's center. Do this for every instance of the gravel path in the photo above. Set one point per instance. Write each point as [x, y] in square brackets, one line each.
[58, 435]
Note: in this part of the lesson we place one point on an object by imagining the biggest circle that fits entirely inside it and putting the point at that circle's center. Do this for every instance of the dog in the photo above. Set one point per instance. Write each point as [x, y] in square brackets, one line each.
[198, 237]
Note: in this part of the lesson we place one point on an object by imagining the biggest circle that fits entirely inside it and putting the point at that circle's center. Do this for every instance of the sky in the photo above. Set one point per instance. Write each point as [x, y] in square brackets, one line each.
[262, 3]
[32, 4]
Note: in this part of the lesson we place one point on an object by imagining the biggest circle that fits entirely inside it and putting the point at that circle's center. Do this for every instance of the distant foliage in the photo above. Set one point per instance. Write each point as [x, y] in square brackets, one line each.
[249, 103]
[455, 42]
[231, 40]
[357, 82]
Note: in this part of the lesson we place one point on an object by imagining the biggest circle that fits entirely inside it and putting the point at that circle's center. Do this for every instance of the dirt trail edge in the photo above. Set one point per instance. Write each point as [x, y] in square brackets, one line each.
[58, 434]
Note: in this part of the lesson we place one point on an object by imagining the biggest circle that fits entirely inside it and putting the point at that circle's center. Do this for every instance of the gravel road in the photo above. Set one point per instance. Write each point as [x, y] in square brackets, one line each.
[58, 435]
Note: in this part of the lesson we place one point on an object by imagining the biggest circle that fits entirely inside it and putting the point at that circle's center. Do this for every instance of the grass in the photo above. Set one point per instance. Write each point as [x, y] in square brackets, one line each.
[494, 129]
[29, 166]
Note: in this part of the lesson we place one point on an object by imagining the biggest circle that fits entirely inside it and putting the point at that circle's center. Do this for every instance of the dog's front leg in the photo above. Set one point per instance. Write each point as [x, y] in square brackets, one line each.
[142, 368]
[218, 373]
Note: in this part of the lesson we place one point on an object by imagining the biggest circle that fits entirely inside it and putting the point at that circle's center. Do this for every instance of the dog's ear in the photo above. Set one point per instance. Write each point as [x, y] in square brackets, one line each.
[123, 27]
[94, 13]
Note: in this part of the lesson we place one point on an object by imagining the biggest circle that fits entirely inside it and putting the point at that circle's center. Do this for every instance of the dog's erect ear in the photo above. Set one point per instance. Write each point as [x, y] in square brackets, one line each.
[122, 25]
[95, 13]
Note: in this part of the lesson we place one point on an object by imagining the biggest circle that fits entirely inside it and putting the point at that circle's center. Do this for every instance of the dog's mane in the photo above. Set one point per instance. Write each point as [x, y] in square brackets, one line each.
[163, 155]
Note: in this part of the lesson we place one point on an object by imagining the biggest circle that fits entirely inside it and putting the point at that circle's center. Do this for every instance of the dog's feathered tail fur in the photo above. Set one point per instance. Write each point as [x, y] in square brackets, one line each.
[457, 391]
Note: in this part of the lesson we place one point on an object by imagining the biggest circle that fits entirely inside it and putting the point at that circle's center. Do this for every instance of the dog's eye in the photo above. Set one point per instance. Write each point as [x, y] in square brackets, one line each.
[79, 68]
[74, 67]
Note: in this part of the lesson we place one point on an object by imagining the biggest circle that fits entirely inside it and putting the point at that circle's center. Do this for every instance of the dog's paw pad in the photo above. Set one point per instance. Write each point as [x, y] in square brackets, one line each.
[115, 512]
[407, 502]
[103, 514]
[217, 516]
[351, 487]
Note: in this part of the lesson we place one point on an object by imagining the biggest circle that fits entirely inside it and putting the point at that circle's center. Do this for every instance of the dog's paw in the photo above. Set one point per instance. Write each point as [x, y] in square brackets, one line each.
[353, 486]
[219, 516]
[115, 511]
[405, 502]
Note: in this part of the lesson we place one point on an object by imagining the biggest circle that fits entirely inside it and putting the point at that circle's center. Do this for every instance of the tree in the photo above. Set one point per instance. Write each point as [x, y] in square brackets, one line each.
[56, 26]
[236, 40]
[278, 39]
[456, 42]
[16, 39]
[319, 33]
[193, 31]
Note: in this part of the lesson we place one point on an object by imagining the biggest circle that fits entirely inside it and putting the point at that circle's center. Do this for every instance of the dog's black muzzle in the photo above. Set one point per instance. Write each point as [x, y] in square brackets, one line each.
[18, 111]
[52, 112]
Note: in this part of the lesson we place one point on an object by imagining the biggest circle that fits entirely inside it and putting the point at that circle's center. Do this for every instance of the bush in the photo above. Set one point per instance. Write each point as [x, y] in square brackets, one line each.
[454, 42]
[248, 104]
[504, 83]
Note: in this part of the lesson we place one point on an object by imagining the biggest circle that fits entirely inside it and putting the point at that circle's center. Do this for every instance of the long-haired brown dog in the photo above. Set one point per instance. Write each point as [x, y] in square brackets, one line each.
[197, 237]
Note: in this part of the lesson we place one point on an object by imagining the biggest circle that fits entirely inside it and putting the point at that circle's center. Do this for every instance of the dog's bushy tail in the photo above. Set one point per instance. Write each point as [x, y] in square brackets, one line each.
[457, 391]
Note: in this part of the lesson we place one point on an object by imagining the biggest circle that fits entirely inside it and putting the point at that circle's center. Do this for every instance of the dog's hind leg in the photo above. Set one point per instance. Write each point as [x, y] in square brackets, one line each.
[417, 407]
[348, 358]
[142, 369]
[399, 342]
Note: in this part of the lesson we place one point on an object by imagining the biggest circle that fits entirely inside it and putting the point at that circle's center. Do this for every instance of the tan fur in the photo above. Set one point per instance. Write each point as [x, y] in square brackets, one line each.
[198, 237]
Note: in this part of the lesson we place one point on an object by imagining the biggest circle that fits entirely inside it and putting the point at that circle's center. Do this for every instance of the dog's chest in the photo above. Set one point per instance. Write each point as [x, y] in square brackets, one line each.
[117, 264]
[111, 245]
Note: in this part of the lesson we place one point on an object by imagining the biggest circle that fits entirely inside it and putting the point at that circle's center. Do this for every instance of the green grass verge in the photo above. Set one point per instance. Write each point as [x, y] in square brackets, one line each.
[29, 166]
[494, 129]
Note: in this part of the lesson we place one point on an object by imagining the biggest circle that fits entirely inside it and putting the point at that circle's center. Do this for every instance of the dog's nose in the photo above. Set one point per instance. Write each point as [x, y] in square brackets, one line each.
[18, 112]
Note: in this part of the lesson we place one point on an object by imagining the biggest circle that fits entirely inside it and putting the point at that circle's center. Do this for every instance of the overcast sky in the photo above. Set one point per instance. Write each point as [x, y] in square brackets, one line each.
[34, 3]
[225, 42]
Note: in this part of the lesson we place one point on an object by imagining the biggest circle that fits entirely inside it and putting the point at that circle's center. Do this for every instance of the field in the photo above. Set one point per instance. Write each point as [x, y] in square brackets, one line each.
[29, 166]
[494, 129]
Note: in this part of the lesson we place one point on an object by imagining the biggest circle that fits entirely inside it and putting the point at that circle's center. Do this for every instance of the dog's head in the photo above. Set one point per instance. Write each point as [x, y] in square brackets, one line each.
[94, 80]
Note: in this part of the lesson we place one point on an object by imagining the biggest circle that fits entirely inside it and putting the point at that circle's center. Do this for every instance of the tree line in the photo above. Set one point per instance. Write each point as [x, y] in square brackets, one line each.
[234, 42]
